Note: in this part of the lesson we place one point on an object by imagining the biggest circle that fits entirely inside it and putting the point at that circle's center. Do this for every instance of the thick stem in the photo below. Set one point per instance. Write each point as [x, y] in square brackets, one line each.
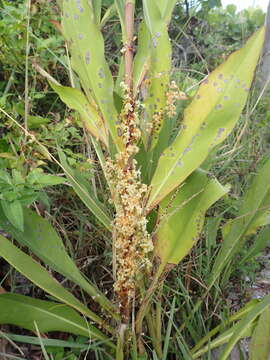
[129, 24]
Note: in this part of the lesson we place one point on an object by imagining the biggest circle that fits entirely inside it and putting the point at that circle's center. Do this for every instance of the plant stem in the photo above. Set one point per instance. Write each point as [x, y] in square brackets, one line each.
[129, 24]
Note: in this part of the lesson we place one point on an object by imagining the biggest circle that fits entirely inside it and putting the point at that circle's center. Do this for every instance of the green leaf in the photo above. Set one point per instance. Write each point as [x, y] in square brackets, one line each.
[222, 339]
[261, 241]
[44, 180]
[142, 57]
[40, 277]
[109, 13]
[259, 348]
[90, 116]
[166, 7]
[120, 6]
[182, 216]
[254, 202]
[42, 239]
[23, 311]
[244, 324]
[209, 119]
[158, 74]
[88, 60]
[35, 122]
[85, 194]
[14, 212]
[97, 9]
[206, 339]
[47, 342]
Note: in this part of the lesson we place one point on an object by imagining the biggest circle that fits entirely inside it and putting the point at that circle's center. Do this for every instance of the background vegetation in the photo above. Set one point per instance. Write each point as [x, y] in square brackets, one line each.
[203, 34]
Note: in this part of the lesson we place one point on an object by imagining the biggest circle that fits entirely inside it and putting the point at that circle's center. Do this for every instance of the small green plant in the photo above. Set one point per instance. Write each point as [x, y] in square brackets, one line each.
[155, 169]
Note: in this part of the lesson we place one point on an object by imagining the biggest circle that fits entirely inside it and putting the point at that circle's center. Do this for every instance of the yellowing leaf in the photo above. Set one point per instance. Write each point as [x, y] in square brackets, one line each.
[209, 119]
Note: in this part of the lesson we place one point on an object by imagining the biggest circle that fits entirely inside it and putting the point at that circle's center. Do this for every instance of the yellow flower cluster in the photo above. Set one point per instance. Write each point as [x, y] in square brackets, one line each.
[173, 94]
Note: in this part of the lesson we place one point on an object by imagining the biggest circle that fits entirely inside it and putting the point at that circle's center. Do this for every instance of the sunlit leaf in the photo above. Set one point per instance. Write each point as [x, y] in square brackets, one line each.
[158, 74]
[209, 119]
[86, 45]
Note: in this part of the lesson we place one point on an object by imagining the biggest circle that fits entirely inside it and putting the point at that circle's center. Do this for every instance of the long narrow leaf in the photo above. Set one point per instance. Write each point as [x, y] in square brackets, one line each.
[260, 343]
[39, 276]
[42, 239]
[253, 202]
[244, 324]
[87, 59]
[23, 311]
[209, 119]
[83, 191]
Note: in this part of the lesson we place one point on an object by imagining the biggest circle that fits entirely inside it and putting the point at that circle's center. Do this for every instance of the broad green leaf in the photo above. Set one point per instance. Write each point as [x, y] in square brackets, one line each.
[259, 348]
[253, 203]
[209, 119]
[90, 116]
[14, 212]
[87, 59]
[182, 216]
[158, 74]
[83, 190]
[40, 277]
[243, 324]
[41, 238]
[49, 316]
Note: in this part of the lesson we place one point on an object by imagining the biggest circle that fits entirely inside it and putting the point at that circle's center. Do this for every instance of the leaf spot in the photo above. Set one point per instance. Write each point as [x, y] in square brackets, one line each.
[80, 36]
[186, 150]
[87, 57]
[218, 107]
[101, 73]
